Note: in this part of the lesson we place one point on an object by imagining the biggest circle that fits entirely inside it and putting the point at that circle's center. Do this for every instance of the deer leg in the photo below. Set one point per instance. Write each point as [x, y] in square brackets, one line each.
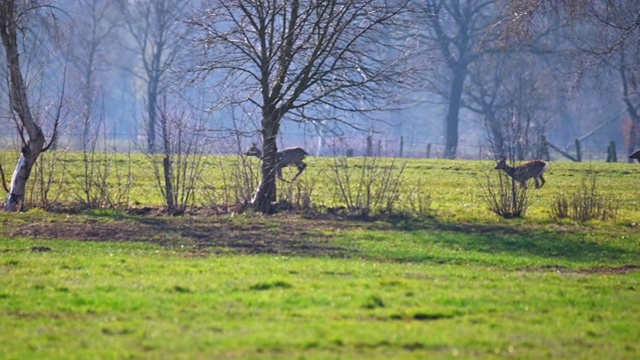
[301, 168]
[542, 181]
[279, 172]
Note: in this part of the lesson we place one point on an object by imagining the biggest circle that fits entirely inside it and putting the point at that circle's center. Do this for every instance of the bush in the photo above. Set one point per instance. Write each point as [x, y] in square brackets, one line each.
[505, 197]
[584, 203]
[367, 186]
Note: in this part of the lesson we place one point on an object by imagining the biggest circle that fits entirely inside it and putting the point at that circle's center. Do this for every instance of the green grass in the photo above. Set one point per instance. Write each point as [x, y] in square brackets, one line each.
[106, 300]
[460, 283]
[531, 248]
[454, 186]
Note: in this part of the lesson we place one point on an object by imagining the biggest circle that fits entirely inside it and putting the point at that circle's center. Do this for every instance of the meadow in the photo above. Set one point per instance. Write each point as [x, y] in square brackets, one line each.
[453, 281]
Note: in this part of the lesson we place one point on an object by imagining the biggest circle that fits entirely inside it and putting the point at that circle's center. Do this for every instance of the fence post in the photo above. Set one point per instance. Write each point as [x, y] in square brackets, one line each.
[612, 147]
[369, 146]
[401, 145]
[428, 150]
[578, 152]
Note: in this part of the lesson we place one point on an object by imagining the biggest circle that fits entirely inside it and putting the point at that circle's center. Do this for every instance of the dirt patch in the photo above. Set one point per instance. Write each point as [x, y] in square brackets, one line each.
[612, 270]
[282, 234]
[601, 270]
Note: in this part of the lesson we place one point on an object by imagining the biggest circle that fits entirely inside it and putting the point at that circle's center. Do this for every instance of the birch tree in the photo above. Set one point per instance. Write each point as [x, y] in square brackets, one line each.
[286, 58]
[14, 27]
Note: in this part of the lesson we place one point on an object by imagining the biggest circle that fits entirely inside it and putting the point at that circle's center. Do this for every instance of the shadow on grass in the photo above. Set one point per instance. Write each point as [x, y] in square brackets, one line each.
[527, 241]
[291, 236]
[295, 235]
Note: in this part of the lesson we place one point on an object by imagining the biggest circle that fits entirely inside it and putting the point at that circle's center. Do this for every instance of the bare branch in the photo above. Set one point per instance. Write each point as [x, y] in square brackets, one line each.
[4, 181]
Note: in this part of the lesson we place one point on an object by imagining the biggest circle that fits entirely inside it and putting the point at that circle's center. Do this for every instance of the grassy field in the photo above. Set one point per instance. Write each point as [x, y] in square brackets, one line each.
[453, 187]
[460, 282]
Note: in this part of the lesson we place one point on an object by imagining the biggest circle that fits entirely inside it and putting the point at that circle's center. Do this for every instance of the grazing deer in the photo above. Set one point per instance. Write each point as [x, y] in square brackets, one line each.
[522, 173]
[635, 155]
[292, 156]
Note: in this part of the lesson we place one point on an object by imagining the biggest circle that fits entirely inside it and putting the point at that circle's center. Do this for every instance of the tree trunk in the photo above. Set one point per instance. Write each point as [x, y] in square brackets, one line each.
[496, 133]
[634, 132]
[21, 174]
[633, 135]
[266, 194]
[453, 119]
[152, 113]
[168, 183]
[20, 104]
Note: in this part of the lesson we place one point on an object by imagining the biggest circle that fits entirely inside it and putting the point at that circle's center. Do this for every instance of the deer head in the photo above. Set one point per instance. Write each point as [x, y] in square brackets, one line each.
[287, 157]
[502, 164]
[254, 150]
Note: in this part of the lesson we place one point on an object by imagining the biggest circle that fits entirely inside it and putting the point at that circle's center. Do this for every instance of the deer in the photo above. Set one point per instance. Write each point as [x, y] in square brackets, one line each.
[522, 173]
[635, 155]
[292, 156]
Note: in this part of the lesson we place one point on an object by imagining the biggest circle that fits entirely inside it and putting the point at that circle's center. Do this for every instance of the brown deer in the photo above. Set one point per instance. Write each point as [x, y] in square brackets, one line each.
[522, 173]
[292, 156]
[635, 155]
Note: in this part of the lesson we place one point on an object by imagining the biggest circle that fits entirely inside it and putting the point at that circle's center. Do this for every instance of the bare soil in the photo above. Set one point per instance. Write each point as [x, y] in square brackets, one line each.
[286, 234]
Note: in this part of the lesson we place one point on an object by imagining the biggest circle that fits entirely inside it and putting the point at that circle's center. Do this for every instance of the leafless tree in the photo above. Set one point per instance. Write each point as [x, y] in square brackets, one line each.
[93, 30]
[514, 96]
[15, 30]
[605, 35]
[155, 28]
[457, 28]
[183, 145]
[290, 58]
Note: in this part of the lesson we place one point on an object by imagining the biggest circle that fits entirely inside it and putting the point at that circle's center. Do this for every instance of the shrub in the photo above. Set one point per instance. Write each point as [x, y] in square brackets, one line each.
[584, 203]
[418, 201]
[367, 186]
[504, 197]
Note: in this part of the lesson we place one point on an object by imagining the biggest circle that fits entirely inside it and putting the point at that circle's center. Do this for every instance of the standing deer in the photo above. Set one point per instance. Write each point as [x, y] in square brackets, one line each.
[522, 173]
[635, 155]
[292, 156]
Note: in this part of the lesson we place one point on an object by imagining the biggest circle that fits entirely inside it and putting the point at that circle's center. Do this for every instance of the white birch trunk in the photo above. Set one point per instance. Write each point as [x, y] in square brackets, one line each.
[18, 187]
[20, 105]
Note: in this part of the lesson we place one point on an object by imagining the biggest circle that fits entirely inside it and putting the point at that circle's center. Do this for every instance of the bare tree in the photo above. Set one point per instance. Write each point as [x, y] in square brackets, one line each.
[158, 34]
[290, 58]
[605, 36]
[514, 104]
[14, 17]
[184, 145]
[154, 26]
[456, 28]
[93, 30]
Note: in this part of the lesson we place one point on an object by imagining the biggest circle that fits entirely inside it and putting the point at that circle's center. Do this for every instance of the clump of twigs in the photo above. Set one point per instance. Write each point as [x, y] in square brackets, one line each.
[418, 200]
[367, 186]
[504, 196]
[298, 195]
[584, 202]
